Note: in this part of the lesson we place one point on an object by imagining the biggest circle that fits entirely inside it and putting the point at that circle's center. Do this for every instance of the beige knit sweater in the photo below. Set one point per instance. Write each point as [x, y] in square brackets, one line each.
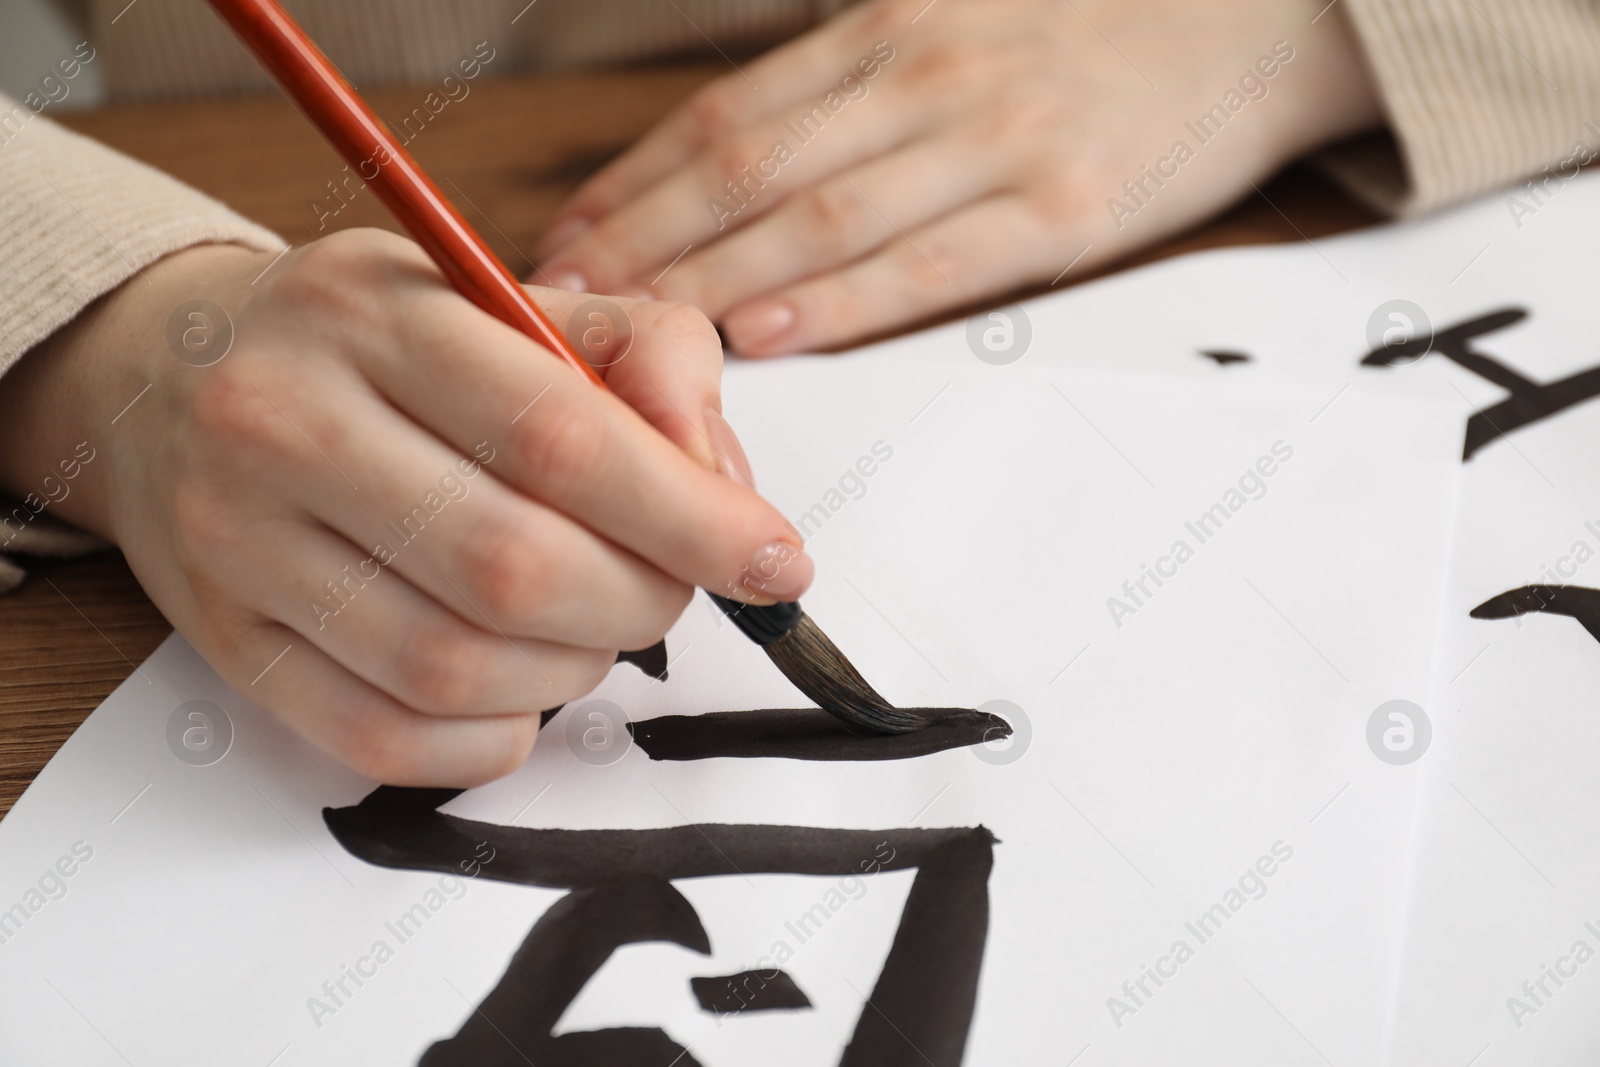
[1478, 93]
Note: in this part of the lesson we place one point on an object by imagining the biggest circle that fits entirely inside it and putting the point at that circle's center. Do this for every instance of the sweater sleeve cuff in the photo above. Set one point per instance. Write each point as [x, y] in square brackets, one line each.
[1479, 94]
[78, 219]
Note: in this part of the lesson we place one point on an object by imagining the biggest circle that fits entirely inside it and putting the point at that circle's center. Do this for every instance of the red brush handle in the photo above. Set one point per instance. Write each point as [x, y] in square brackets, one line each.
[330, 102]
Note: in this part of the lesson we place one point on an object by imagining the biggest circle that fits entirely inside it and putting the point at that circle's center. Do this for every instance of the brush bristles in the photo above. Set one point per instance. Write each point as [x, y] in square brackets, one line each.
[818, 669]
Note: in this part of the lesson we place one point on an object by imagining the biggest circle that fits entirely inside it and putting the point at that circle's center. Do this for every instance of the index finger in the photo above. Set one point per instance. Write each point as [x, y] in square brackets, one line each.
[581, 450]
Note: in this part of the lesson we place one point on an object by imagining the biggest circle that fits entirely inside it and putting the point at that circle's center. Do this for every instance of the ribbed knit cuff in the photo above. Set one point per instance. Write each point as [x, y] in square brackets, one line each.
[77, 220]
[1479, 94]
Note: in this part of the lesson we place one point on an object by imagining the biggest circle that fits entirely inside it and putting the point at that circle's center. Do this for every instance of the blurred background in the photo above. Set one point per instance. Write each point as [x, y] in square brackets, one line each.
[33, 34]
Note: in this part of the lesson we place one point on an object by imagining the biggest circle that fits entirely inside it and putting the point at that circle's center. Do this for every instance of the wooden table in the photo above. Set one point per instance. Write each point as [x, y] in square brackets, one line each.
[75, 630]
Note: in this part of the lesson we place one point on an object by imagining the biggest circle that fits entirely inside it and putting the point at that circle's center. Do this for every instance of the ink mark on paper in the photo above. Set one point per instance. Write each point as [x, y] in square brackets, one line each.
[619, 892]
[794, 733]
[749, 991]
[809, 734]
[1573, 600]
[1223, 356]
[566, 947]
[1529, 402]
[652, 661]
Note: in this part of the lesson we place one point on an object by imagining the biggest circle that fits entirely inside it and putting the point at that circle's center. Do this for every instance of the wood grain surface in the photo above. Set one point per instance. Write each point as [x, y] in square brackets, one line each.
[508, 154]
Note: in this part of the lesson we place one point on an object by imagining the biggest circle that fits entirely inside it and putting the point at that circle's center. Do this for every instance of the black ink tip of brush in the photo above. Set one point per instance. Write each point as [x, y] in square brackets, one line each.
[805, 655]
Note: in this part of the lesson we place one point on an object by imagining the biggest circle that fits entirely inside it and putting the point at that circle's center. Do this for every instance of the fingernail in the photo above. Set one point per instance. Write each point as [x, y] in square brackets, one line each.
[561, 234]
[731, 460]
[568, 279]
[758, 322]
[779, 571]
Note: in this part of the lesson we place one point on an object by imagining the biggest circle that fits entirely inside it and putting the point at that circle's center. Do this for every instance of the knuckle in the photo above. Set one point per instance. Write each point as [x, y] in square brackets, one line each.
[933, 265]
[1061, 204]
[717, 110]
[232, 408]
[932, 273]
[731, 160]
[562, 451]
[375, 747]
[1018, 125]
[832, 217]
[948, 71]
[442, 670]
[508, 573]
[229, 409]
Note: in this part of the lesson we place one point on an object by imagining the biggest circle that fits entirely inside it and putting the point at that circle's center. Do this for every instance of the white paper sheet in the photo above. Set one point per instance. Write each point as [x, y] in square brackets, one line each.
[1161, 766]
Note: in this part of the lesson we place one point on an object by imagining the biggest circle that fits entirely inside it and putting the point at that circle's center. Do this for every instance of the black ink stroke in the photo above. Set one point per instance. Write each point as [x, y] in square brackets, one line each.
[1529, 402]
[808, 734]
[1223, 357]
[652, 661]
[1573, 600]
[920, 1009]
[794, 733]
[731, 994]
[566, 947]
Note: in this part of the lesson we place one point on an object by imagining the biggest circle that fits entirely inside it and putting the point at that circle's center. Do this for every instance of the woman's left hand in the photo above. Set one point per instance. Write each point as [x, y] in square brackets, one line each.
[912, 157]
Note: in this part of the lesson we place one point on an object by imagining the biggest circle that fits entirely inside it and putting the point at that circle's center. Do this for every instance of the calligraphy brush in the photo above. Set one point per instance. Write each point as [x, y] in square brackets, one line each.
[791, 640]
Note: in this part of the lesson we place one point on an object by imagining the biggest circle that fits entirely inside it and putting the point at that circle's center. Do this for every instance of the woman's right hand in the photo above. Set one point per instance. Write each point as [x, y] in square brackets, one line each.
[387, 517]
